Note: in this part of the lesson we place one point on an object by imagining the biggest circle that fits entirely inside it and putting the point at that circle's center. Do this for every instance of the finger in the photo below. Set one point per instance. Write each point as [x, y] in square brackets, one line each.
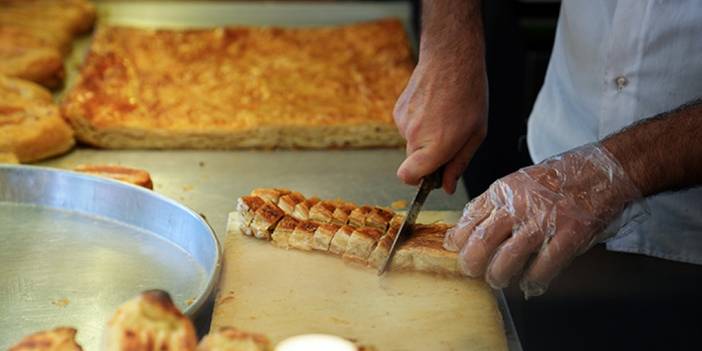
[455, 167]
[554, 255]
[475, 212]
[513, 255]
[419, 163]
[399, 113]
[482, 244]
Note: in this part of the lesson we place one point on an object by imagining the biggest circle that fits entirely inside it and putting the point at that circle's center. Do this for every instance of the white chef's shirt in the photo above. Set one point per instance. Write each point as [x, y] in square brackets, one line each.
[615, 62]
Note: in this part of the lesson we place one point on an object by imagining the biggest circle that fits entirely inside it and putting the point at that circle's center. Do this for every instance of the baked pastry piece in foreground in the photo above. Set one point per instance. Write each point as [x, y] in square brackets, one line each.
[364, 237]
[31, 127]
[130, 175]
[232, 339]
[242, 87]
[58, 339]
[150, 322]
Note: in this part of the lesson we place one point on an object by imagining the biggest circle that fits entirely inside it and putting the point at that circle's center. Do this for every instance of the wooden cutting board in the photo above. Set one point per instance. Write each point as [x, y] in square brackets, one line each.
[282, 293]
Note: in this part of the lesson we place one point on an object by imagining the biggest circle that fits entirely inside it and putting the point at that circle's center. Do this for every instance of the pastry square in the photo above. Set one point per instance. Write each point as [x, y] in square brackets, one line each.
[357, 217]
[340, 240]
[246, 207]
[379, 218]
[270, 194]
[341, 213]
[302, 237]
[361, 244]
[323, 236]
[281, 233]
[322, 211]
[265, 219]
[288, 202]
[302, 209]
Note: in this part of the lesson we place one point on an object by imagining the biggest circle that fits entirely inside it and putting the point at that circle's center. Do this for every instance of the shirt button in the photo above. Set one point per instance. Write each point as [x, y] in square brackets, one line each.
[621, 82]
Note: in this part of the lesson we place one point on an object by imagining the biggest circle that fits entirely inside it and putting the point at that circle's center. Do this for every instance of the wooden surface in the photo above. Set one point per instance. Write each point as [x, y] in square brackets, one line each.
[282, 293]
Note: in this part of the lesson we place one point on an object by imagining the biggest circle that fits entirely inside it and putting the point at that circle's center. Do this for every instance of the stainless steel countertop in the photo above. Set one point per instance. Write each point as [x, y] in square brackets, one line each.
[210, 181]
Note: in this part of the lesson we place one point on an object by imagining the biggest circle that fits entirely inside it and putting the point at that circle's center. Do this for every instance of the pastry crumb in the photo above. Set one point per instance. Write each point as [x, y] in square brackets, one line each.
[189, 301]
[62, 302]
[398, 204]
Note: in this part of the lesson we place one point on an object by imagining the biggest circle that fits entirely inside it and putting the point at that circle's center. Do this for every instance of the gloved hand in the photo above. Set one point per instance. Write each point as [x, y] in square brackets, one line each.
[549, 213]
[442, 114]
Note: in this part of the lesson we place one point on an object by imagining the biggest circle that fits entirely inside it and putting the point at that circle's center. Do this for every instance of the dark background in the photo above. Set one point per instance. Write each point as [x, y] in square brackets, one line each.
[604, 300]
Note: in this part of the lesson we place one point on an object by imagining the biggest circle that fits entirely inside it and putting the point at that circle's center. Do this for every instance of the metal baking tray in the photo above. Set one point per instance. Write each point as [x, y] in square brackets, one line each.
[74, 247]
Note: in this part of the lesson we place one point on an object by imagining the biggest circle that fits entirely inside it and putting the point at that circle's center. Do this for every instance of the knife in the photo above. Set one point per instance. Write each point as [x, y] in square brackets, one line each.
[426, 185]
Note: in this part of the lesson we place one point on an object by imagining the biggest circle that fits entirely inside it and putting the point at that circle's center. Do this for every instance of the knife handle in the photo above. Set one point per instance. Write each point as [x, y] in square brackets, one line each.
[435, 178]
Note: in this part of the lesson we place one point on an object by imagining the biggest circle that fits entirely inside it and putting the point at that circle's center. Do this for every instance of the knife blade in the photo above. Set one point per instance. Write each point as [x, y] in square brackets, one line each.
[426, 185]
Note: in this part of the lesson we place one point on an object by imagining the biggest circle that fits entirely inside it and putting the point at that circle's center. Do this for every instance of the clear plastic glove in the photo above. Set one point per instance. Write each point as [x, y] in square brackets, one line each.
[536, 220]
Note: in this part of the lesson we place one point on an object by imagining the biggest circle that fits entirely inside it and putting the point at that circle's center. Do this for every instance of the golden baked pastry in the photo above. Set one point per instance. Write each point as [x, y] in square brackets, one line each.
[242, 87]
[58, 339]
[365, 237]
[150, 322]
[31, 127]
[130, 175]
[232, 339]
[36, 34]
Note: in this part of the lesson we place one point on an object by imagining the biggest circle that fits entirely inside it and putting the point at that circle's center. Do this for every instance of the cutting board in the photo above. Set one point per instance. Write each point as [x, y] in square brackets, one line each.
[282, 293]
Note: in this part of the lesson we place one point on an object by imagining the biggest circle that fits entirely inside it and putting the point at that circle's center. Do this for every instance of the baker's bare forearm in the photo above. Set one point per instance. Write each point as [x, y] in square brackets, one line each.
[664, 152]
[452, 33]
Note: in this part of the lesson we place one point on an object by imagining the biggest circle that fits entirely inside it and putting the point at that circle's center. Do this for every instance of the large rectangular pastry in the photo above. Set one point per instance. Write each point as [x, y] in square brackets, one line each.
[242, 87]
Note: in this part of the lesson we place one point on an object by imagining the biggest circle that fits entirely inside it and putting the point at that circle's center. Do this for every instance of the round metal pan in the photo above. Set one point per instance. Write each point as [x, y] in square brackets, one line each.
[74, 247]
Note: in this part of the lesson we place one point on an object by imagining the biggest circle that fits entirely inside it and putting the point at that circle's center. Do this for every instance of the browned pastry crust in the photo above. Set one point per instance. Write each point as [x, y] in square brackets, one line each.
[366, 239]
[150, 322]
[340, 241]
[246, 207]
[302, 209]
[361, 243]
[36, 34]
[302, 237]
[323, 236]
[8, 157]
[242, 87]
[265, 219]
[31, 127]
[322, 211]
[357, 217]
[58, 339]
[232, 339]
[341, 213]
[270, 194]
[281, 233]
[288, 202]
[379, 218]
[130, 175]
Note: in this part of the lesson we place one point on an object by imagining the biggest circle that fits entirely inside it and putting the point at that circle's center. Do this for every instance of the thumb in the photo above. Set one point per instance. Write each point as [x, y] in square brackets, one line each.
[419, 163]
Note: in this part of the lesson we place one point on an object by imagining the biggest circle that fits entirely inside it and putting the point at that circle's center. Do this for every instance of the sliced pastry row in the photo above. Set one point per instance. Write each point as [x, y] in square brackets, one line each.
[362, 234]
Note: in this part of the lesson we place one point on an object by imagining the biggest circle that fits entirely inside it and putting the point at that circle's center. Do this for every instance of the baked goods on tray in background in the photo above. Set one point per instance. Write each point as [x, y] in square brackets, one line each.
[31, 127]
[58, 339]
[134, 176]
[363, 236]
[242, 87]
[35, 36]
